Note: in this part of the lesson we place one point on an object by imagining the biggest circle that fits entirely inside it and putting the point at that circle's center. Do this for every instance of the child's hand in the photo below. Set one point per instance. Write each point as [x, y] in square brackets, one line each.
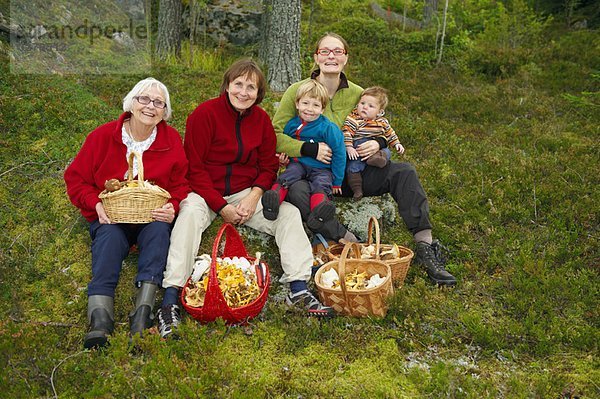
[284, 160]
[352, 153]
[337, 190]
[400, 148]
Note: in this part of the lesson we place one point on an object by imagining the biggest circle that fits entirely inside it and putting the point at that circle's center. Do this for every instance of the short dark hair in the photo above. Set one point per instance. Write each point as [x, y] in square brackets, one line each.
[245, 67]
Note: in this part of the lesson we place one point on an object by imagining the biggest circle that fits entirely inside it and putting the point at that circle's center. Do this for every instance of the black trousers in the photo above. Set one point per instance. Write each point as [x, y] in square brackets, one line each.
[398, 179]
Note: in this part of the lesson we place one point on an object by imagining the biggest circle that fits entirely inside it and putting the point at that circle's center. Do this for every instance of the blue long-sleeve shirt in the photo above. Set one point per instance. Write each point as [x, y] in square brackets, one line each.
[321, 130]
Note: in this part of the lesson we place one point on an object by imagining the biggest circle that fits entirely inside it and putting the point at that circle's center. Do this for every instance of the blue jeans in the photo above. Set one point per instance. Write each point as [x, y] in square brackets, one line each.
[110, 245]
[356, 165]
[320, 179]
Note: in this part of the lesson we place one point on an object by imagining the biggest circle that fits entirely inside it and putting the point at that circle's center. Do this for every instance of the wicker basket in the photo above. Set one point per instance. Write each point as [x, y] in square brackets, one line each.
[399, 266]
[215, 305]
[133, 204]
[369, 302]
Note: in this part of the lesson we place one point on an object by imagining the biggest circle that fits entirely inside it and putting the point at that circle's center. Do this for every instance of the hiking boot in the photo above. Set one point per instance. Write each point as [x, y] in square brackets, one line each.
[379, 159]
[430, 256]
[168, 320]
[321, 213]
[270, 203]
[307, 300]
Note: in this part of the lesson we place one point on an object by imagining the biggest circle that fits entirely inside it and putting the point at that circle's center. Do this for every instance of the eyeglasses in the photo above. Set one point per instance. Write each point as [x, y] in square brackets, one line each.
[145, 100]
[338, 52]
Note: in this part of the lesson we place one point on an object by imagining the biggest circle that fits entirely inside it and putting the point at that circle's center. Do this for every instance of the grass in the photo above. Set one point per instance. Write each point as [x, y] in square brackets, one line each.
[509, 164]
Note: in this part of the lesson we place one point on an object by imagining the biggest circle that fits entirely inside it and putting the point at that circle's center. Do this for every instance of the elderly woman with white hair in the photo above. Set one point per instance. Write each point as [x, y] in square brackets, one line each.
[103, 156]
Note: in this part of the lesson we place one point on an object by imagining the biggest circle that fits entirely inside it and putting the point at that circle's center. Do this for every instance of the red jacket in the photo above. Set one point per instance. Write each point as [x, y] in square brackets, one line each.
[229, 152]
[102, 157]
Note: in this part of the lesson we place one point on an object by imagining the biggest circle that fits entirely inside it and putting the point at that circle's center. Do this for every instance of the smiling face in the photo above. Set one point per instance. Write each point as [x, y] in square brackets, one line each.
[331, 63]
[309, 109]
[242, 92]
[368, 107]
[148, 114]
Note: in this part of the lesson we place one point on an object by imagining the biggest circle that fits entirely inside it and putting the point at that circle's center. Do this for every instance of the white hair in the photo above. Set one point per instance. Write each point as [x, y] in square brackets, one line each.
[141, 87]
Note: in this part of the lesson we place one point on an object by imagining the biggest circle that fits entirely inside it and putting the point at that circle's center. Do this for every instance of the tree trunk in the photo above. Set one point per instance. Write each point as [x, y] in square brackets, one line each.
[168, 40]
[439, 60]
[429, 12]
[280, 47]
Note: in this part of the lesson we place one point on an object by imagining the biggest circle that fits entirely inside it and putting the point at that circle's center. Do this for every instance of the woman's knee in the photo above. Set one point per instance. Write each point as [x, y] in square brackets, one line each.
[290, 214]
[194, 207]
[403, 168]
[110, 235]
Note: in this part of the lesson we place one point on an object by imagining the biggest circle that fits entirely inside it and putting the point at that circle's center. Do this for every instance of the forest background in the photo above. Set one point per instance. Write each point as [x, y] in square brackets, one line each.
[504, 132]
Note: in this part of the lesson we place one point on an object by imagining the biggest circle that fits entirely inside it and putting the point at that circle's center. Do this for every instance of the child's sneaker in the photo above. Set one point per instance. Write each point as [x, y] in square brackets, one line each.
[307, 300]
[270, 203]
[168, 320]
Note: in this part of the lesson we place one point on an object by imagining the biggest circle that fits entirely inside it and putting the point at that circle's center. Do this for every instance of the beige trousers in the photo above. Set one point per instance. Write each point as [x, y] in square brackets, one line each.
[195, 216]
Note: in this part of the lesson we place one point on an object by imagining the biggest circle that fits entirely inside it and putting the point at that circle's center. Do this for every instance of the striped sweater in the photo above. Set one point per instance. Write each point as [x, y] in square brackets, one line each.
[355, 128]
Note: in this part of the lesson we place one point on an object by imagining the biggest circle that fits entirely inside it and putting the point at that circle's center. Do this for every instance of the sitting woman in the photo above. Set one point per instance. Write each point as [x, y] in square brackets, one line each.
[398, 179]
[103, 156]
[230, 144]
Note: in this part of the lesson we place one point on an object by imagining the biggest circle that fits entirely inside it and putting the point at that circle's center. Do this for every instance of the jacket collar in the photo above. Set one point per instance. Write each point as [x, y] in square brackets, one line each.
[224, 99]
[343, 79]
[161, 142]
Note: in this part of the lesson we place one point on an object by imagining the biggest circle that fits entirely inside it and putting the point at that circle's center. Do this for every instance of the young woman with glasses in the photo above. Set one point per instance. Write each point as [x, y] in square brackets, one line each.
[398, 179]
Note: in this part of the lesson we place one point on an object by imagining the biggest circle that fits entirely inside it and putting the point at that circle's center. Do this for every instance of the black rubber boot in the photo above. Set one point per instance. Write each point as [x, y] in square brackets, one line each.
[101, 318]
[270, 203]
[322, 213]
[142, 317]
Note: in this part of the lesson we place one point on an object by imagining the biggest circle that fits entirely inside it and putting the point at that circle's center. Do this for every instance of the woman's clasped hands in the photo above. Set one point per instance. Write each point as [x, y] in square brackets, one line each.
[244, 210]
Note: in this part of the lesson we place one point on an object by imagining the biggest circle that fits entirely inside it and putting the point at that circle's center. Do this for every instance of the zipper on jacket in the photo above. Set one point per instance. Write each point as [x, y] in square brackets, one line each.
[238, 157]
[227, 180]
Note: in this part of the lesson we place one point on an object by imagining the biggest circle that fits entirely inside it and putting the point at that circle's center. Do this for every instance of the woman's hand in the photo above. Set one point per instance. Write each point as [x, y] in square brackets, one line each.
[247, 206]
[337, 190]
[230, 214]
[164, 214]
[324, 154]
[284, 160]
[368, 148]
[352, 153]
[102, 217]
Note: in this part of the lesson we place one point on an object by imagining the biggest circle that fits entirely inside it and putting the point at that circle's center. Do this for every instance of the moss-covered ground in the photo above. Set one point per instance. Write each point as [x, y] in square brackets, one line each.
[507, 146]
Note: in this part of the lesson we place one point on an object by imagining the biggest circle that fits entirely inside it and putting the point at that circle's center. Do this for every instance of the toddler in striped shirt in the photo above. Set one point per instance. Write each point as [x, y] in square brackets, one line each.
[366, 122]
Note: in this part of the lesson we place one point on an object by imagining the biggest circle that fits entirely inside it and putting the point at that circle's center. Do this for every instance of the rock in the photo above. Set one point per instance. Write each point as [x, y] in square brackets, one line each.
[37, 32]
[356, 215]
[123, 39]
[236, 22]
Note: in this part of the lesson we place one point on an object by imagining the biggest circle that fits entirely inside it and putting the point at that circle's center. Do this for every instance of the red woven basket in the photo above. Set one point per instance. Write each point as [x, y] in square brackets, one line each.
[215, 305]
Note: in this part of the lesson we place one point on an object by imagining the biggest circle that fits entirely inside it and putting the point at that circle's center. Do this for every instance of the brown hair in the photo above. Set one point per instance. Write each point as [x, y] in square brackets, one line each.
[335, 36]
[313, 89]
[249, 68]
[379, 93]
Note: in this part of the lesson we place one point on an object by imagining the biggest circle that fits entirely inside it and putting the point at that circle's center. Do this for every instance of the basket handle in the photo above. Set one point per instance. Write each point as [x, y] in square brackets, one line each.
[373, 222]
[140, 166]
[342, 265]
[233, 247]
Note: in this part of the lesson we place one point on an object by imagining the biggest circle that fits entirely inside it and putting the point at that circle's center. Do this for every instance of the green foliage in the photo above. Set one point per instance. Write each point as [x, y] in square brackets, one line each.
[508, 165]
[509, 36]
